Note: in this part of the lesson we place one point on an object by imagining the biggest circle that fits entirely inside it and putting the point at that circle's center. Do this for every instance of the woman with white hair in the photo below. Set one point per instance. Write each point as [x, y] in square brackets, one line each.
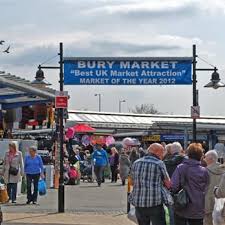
[34, 169]
[175, 157]
[215, 172]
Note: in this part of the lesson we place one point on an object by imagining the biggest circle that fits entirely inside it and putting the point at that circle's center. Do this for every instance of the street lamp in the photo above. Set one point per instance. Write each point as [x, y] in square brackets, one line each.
[99, 101]
[40, 78]
[60, 128]
[214, 83]
[120, 105]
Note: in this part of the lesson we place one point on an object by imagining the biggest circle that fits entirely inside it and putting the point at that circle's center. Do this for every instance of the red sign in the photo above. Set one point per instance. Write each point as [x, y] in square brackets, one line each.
[61, 102]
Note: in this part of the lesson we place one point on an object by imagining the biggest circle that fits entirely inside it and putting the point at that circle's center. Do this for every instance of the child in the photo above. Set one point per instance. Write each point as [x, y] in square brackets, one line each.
[73, 175]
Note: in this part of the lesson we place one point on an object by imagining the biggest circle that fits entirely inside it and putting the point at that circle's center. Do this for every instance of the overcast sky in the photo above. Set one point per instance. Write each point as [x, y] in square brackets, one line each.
[117, 28]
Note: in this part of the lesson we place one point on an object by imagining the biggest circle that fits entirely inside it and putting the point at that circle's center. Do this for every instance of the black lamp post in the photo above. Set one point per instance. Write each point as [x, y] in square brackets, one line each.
[60, 128]
[214, 83]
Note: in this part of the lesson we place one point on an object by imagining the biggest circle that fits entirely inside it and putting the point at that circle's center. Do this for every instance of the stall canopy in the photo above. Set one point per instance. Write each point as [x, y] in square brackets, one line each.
[17, 92]
[83, 128]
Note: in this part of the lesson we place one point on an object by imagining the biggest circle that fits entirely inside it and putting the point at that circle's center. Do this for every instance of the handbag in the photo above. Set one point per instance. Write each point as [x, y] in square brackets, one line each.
[13, 171]
[3, 194]
[181, 199]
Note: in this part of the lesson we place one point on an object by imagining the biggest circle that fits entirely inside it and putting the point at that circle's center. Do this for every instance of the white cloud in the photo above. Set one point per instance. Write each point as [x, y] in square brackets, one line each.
[116, 28]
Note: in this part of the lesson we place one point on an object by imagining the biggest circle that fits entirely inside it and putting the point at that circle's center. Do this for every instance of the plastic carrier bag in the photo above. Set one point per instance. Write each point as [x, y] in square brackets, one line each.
[132, 216]
[167, 214]
[219, 212]
[42, 189]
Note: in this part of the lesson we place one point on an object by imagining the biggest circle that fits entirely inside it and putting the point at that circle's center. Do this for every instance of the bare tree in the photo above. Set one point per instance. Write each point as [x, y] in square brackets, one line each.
[145, 109]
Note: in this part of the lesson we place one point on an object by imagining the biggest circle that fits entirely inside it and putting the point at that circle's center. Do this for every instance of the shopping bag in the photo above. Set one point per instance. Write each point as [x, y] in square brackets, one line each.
[218, 216]
[3, 194]
[24, 186]
[42, 189]
[132, 216]
[167, 214]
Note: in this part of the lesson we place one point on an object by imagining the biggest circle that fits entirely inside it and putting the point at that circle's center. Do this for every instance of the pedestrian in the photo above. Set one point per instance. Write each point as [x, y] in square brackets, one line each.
[142, 152]
[194, 178]
[114, 162]
[134, 155]
[175, 157]
[220, 149]
[219, 191]
[149, 176]
[124, 166]
[75, 155]
[215, 173]
[100, 160]
[13, 170]
[34, 169]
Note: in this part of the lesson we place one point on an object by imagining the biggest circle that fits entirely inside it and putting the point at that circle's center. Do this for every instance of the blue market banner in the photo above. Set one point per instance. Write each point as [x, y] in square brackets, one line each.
[127, 71]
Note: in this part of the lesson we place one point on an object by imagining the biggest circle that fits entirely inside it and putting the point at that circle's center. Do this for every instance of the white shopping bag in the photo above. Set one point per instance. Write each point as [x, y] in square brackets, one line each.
[218, 212]
[132, 216]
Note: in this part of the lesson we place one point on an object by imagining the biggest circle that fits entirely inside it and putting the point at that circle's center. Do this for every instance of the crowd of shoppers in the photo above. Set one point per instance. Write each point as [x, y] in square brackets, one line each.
[170, 171]
[158, 174]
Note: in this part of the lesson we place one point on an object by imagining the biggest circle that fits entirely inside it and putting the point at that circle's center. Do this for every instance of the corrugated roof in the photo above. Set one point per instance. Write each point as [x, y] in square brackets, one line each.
[139, 121]
[25, 81]
[16, 92]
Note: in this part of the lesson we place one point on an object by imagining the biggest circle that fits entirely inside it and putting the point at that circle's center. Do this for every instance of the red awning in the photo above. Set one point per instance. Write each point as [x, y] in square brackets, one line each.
[83, 128]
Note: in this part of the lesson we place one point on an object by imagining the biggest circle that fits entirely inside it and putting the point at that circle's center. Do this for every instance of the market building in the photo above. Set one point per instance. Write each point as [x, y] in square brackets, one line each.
[153, 128]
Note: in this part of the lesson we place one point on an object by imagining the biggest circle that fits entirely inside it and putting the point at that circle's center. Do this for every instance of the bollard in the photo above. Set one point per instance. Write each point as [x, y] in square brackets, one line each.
[128, 193]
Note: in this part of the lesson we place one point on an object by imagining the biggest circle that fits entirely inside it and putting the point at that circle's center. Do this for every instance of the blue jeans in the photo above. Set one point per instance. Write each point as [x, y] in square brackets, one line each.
[12, 191]
[32, 179]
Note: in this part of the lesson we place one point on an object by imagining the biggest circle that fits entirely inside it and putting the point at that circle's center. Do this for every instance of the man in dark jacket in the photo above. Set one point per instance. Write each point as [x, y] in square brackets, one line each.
[175, 158]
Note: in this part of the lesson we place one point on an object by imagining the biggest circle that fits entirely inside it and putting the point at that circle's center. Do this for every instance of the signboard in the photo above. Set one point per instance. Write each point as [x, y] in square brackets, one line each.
[195, 112]
[152, 138]
[127, 71]
[172, 137]
[61, 100]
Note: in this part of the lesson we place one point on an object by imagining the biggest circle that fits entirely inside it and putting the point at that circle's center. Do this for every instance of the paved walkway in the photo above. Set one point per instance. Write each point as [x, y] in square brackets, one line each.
[86, 204]
[109, 199]
[67, 219]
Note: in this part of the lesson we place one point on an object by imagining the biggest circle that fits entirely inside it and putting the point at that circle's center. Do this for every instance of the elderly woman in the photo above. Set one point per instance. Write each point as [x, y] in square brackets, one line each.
[194, 178]
[215, 172]
[114, 163]
[13, 170]
[33, 167]
[124, 166]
